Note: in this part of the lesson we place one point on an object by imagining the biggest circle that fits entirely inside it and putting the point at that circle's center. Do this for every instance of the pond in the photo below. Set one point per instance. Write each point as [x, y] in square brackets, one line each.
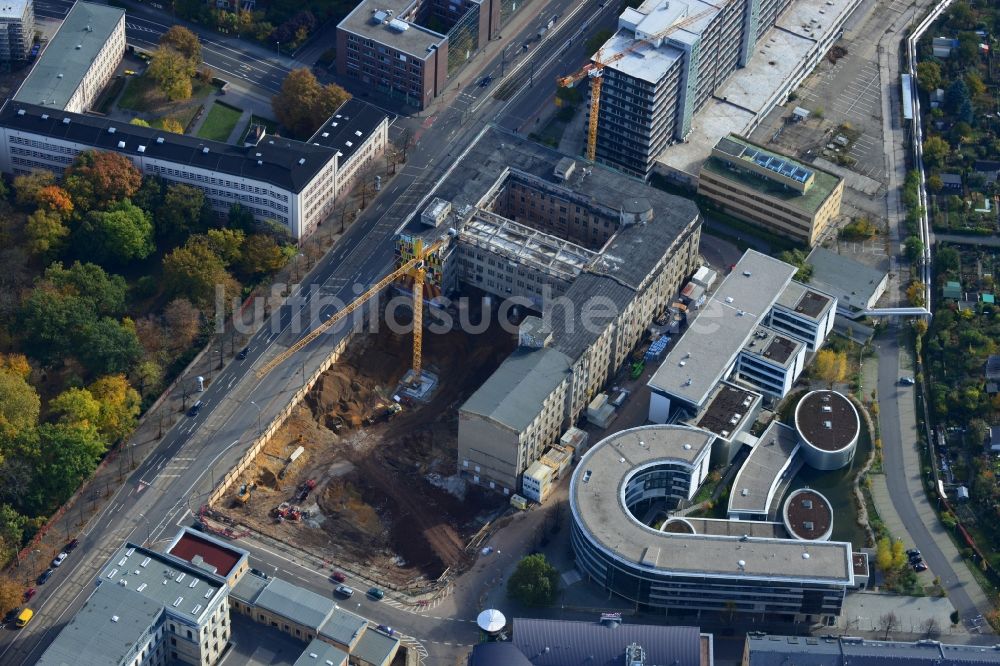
[838, 487]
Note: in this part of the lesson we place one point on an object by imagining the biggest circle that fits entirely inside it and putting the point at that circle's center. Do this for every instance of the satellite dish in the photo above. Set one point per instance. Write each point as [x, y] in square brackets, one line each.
[491, 621]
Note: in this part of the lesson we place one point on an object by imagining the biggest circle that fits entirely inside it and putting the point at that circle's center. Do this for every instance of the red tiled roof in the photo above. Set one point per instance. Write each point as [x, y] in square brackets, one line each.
[220, 557]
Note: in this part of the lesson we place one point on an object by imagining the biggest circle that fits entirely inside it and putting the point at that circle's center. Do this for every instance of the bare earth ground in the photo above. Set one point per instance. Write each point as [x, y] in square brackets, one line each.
[380, 498]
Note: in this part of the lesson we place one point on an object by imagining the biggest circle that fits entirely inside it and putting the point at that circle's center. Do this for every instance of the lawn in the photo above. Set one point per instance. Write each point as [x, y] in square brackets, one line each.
[142, 95]
[219, 122]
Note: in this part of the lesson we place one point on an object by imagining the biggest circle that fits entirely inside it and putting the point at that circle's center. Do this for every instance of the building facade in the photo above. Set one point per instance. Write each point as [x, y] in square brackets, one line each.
[17, 30]
[770, 190]
[293, 183]
[78, 61]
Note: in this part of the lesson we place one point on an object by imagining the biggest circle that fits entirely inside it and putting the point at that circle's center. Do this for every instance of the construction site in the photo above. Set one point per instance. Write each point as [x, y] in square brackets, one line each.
[363, 474]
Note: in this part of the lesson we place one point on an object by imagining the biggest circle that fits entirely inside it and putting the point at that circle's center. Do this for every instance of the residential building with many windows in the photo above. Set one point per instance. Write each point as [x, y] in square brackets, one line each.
[78, 61]
[290, 182]
[17, 30]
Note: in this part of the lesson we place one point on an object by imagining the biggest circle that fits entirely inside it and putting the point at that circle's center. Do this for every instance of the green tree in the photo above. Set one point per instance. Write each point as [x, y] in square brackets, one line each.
[535, 582]
[48, 321]
[45, 233]
[934, 183]
[946, 259]
[194, 271]
[69, 454]
[98, 179]
[181, 213]
[261, 256]
[227, 244]
[975, 84]
[138, 122]
[830, 366]
[109, 347]
[172, 73]
[936, 150]
[916, 294]
[27, 186]
[148, 376]
[169, 125]
[76, 406]
[883, 555]
[914, 248]
[303, 104]
[19, 408]
[119, 406]
[183, 322]
[105, 293]
[929, 76]
[120, 234]
[898, 554]
[798, 258]
[184, 42]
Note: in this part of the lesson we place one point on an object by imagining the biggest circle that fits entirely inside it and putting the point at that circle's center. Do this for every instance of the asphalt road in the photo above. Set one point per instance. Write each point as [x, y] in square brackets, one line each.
[174, 480]
[230, 58]
[904, 486]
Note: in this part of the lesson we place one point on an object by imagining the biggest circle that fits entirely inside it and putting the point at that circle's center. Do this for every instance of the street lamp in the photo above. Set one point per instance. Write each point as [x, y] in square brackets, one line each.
[220, 355]
[148, 535]
[258, 416]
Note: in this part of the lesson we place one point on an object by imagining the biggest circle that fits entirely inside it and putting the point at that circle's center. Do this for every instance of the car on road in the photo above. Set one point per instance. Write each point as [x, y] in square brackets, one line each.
[338, 576]
[919, 566]
[45, 576]
[24, 618]
[387, 630]
[376, 593]
[243, 353]
[258, 572]
[907, 381]
[11, 615]
[71, 546]
[195, 408]
[485, 81]
[344, 591]
[129, 72]
[30, 592]
[59, 559]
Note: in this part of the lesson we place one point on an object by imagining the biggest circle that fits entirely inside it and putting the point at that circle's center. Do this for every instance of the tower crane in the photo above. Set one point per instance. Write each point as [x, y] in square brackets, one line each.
[415, 268]
[595, 70]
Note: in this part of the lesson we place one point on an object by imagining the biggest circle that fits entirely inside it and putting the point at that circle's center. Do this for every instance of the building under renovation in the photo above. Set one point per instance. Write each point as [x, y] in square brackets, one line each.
[595, 254]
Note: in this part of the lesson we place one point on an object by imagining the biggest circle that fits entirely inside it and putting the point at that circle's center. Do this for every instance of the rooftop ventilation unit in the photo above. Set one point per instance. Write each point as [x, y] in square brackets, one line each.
[145, 562]
[79, 46]
[260, 162]
[121, 144]
[747, 273]
[141, 588]
[302, 161]
[204, 151]
[398, 26]
[827, 408]
[111, 130]
[159, 139]
[45, 116]
[828, 425]
[326, 135]
[357, 132]
[178, 601]
[114, 618]
[65, 121]
[142, 149]
[807, 504]
[809, 525]
[20, 112]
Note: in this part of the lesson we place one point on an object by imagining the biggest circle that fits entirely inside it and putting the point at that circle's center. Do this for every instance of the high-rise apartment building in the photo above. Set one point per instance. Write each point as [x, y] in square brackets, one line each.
[17, 29]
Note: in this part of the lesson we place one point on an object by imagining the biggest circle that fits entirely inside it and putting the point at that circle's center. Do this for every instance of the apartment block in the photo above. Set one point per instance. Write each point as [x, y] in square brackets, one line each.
[17, 30]
[293, 183]
[773, 191]
[78, 61]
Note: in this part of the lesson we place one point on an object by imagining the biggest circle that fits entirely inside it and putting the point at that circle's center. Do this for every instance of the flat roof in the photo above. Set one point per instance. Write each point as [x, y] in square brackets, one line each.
[728, 404]
[761, 529]
[808, 514]
[105, 630]
[321, 653]
[805, 301]
[281, 162]
[582, 643]
[709, 347]
[249, 588]
[349, 127]
[180, 588]
[415, 40]
[773, 347]
[854, 283]
[762, 471]
[860, 561]
[598, 508]
[751, 91]
[513, 395]
[827, 420]
[766, 650]
[201, 549]
[809, 201]
[294, 603]
[69, 55]
[13, 9]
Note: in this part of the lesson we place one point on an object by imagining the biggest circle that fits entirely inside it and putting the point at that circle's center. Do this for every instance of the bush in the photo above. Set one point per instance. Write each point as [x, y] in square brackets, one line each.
[535, 582]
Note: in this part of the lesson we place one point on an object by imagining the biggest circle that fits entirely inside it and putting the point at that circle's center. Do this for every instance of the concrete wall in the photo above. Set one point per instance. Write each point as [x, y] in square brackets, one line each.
[492, 452]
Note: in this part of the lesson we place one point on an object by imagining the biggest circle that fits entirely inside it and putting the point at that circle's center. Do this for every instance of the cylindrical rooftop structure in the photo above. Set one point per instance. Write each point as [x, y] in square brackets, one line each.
[828, 426]
[808, 516]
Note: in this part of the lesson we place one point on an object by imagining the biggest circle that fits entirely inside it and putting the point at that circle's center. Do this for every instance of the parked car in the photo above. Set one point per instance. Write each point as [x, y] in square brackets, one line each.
[913, 552]
[45, 576]
[920, 566]
[11, 615]
[59, 559]
[344, 591]
[376, 593]
[908, 381]
[71, 546]
[338, 576]
[30, 592]
[243, 353]
[389, 631]
[258, 572]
